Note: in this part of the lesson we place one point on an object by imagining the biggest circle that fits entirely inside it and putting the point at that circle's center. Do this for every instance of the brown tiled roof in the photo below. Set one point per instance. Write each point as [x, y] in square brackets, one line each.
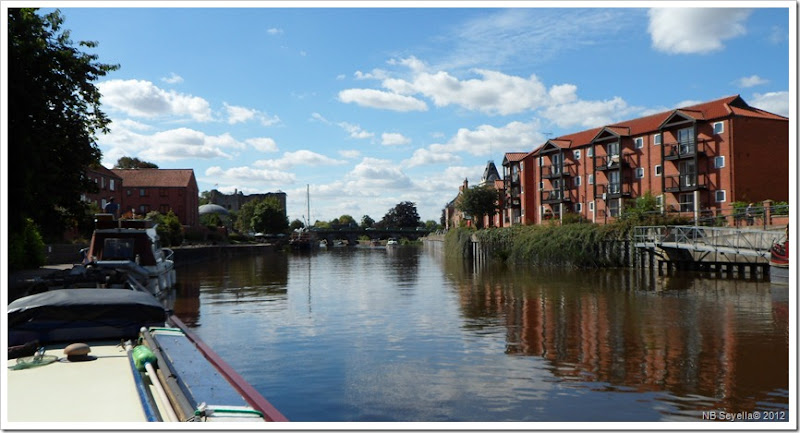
[515, 156]
[101, 169]
[155, 177]
[717, 109]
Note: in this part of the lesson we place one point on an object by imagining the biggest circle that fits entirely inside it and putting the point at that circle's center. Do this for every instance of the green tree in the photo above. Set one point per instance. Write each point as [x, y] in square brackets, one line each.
[169, 228]
[53, 118]
[296, 224]
[477, 202]
[367, 222]
[347, 220]
[404, 214]
[126, 162]
[268, 216]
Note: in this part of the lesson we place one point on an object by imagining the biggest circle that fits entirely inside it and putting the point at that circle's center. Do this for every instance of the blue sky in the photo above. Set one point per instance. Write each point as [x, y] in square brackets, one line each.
[374, 106]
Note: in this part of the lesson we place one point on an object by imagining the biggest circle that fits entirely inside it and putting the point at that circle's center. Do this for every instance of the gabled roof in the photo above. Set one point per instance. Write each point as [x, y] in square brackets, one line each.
[490, 174]
[156, 177]
[514, 157]
[101, 169]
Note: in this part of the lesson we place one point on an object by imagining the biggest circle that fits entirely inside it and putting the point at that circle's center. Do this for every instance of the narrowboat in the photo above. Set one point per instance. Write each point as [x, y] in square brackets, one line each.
[95, 355]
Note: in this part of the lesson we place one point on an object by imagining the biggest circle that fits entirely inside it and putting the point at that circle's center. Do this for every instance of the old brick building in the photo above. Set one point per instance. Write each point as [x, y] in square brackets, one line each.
[149, 189]
[109, 185]
[694, 159]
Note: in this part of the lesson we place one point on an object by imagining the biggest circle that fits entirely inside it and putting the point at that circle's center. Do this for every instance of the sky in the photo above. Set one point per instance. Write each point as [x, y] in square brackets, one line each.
[368, 104]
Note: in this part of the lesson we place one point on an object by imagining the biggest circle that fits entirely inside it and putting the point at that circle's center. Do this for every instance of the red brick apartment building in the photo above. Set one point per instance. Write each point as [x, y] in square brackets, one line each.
[108, 185]
[150, 189]
[694, 159]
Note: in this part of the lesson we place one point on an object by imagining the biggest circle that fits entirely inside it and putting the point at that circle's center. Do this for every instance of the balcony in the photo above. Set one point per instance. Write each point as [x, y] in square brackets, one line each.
[606, 191]
[684, 150]
[609, 162]
[555, 196]
[555, 171]
[685, 182]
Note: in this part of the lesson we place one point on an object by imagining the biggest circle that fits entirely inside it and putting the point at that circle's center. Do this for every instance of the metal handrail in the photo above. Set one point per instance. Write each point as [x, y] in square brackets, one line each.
[701, 238]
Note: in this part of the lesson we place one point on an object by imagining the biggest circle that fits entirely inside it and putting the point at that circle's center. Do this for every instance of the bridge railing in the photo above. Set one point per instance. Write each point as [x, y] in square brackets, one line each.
[752, 242]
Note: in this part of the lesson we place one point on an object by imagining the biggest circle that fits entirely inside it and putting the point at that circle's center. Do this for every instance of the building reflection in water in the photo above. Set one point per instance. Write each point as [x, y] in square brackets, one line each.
[724, 341]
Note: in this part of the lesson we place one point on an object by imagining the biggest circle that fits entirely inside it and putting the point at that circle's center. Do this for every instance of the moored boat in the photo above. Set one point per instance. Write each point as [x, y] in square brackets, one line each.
[779, 263]
[303, 239]
[134, 363]
[132, 247]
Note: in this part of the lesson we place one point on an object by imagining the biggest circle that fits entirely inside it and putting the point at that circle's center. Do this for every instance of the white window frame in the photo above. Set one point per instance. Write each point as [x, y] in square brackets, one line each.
[657, 170]
[721, 128]
[639, 172]
[111, 185]
[590, 152]
[541, 161]
[656, 139]
[577, 154]
[591, 179]
[638, 142]
[717, 196]
[541, 185]
[591, 206]
[577, 181]
[719, 161]
[578, 207]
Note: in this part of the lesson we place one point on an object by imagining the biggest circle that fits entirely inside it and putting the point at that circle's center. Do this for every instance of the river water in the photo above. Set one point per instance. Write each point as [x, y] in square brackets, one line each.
[402, 334]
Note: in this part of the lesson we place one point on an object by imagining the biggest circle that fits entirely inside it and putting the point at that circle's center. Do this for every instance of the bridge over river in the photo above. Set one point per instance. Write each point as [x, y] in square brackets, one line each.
[352, 234]
[701, 247]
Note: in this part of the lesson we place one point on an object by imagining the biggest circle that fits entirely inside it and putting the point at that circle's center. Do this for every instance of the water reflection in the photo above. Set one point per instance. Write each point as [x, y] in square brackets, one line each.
[402, 334]
[707, 342]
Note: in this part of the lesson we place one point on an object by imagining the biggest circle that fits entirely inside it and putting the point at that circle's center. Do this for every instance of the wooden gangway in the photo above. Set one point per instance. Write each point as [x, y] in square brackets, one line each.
[727, 240]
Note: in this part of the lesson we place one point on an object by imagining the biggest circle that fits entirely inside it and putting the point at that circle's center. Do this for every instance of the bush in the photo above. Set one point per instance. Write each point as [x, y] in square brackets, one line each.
[26, 249]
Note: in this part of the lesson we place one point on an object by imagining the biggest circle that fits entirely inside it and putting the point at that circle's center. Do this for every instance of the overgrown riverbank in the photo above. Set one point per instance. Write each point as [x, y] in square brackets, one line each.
[570, 245]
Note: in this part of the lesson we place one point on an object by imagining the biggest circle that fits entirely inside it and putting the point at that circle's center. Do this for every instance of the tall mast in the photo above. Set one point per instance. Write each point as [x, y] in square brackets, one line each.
[308, 204]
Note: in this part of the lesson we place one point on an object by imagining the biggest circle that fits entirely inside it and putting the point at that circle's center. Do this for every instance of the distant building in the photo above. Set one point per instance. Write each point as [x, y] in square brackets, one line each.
[109, 185]
[162, 190]
[234, 202]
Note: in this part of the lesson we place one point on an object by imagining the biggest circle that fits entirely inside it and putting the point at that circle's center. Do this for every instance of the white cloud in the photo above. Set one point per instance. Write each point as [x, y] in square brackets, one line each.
[394, 139]
[427, 157]
[249, 176]
[263, 144]
[349, 154]
[140, 98]
[274, 31]
[383, 100]
[168, 145]
[493, 93]
[488, 139]
[355, 131]
[300, 157]
[375, 175]
[774, 102]
[238, 114]
[695, 30]
[751, 81]
[172, 79]
[588, 114]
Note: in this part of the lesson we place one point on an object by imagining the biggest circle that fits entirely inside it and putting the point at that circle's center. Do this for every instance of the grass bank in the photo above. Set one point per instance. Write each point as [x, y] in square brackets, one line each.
[570, 245]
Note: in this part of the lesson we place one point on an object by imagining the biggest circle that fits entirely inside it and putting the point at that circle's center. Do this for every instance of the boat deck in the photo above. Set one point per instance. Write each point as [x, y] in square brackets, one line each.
[102, 389]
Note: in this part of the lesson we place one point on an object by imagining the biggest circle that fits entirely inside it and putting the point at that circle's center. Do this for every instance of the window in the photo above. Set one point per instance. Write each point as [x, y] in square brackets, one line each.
[660, 201]
[656, 139]
[111, 185]
[578, 207]
[541, 162]
[719, 161]
[163, 209]
[613, 208]
[541, 186]
[591, 179]
[577, 181]
[590, 151]
[613, 149]
[129, 192]
[639, 172]
[719, 196]
[638, 142]
[591, 206]
[719, 128]
[657, 170]
[686, 202]
[142, 192]
[577, 154]
[144, 209]
[102, 183]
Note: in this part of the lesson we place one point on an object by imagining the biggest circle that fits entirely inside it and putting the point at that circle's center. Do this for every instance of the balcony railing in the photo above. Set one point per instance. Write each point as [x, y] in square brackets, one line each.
[555, 196]
[553, 171]
[686, 149]
[613, 190]
[610, 162]
[685, 182]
